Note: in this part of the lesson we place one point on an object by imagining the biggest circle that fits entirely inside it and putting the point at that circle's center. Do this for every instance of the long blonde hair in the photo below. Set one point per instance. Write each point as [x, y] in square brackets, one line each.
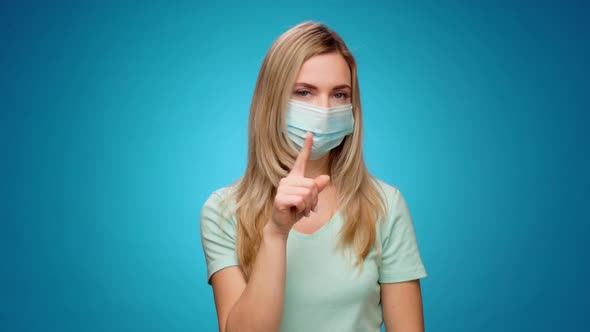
[270, 157]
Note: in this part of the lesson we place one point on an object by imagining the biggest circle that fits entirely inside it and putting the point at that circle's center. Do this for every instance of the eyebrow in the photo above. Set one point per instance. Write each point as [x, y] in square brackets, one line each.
[307, 85]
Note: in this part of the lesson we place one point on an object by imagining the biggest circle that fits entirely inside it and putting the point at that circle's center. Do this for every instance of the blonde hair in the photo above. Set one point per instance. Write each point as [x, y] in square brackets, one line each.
[270, 155]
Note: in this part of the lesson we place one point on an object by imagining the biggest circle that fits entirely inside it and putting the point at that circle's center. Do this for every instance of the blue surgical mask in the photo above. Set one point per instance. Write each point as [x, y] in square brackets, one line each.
[329, 125]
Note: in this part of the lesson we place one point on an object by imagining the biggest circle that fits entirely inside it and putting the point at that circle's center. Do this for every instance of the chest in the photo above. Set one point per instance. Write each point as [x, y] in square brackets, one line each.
[320, 273]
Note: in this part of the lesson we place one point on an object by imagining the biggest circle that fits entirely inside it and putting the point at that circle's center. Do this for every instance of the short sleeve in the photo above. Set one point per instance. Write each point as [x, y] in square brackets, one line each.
[400, 258]
[218, 236]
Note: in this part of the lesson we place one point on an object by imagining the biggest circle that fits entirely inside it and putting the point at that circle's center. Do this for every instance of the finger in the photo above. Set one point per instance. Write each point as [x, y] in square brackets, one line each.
[302, 206]
[287, 202]
[303, 187]
[292, 181]
[314, 198]
[322, 182]
[301, 161]
[299, 191]
[310, 195]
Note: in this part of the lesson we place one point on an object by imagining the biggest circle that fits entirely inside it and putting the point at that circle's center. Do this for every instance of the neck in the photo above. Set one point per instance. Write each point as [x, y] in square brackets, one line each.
[315, 168]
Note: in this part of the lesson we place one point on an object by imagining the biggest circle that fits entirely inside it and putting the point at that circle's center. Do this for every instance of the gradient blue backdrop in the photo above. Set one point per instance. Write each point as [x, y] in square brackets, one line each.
[119, 119]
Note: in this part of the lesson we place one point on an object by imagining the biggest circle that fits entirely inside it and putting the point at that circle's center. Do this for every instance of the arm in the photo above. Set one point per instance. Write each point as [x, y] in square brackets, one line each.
[257, 305]
[402, 306]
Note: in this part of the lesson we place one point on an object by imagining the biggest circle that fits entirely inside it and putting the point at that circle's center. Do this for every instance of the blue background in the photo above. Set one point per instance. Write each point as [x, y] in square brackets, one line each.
[119, 119]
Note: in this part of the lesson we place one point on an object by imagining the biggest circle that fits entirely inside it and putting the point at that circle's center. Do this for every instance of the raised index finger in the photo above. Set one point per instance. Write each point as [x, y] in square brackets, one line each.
[301, 161]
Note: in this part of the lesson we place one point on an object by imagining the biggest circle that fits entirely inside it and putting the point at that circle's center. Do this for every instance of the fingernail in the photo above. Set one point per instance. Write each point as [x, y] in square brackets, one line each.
[315, 209]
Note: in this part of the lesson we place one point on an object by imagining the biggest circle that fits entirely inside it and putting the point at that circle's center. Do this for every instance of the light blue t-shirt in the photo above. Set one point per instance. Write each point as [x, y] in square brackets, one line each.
[324, 291]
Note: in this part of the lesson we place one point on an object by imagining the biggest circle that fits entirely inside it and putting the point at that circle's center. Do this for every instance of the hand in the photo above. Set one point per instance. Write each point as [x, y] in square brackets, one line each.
[296, 195]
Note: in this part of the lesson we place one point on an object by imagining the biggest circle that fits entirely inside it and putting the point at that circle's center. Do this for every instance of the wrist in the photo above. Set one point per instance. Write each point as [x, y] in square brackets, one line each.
[270, 232]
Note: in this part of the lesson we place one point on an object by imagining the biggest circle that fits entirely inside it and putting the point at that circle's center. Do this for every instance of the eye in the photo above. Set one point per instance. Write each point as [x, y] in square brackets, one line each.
[302, 93]
[341, 95]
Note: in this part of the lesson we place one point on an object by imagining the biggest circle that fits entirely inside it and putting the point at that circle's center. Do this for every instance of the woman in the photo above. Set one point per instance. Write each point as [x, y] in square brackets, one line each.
[307, 240]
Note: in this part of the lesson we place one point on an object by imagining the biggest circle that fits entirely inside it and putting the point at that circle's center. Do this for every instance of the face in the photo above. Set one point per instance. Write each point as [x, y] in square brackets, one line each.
[324, 80]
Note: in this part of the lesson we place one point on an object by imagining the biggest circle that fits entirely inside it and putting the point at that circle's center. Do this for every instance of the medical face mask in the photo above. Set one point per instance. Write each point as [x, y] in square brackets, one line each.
[329, 125]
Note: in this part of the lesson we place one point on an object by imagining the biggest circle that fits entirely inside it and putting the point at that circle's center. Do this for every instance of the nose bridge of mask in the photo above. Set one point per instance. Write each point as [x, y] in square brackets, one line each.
[315, 108]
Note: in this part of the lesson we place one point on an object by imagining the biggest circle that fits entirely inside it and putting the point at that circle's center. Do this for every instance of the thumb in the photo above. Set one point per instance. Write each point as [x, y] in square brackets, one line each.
[322, 181]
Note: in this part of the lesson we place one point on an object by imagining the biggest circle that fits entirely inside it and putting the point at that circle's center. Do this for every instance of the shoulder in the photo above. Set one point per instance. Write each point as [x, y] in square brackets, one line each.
[219, 205]
[391, 193]
[219, 194]
[396, 207]
[221, 197]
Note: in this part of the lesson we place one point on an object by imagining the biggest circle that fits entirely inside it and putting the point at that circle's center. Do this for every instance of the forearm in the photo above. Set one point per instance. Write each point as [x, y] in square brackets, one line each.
[260, 307]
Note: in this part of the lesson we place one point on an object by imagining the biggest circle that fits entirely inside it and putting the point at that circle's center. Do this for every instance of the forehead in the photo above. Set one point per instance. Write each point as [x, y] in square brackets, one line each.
[325, 69]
